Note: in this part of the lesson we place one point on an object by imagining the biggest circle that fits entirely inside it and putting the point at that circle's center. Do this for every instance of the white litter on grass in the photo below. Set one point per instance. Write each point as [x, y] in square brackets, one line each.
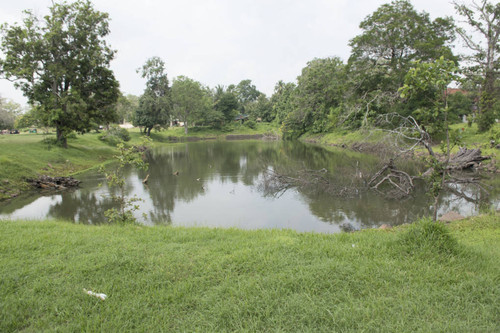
[91, 293]
[353, 245]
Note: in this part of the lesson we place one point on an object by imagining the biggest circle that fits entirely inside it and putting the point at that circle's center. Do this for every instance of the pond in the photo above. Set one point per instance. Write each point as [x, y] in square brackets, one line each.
[221, 184]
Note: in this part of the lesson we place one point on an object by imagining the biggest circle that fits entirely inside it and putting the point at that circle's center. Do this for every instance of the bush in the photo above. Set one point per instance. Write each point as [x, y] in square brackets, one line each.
[251, 124]
[115, 135]
[494, 135]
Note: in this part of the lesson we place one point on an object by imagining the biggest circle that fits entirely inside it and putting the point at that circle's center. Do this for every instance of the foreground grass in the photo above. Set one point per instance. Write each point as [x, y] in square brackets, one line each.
[419, 278]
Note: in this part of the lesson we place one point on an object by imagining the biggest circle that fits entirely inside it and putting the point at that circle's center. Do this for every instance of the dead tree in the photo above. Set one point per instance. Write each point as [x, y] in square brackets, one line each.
[276, 183]
[400, 183]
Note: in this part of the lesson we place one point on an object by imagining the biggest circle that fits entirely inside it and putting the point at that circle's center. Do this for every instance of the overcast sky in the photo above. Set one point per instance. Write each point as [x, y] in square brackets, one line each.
[224, 41]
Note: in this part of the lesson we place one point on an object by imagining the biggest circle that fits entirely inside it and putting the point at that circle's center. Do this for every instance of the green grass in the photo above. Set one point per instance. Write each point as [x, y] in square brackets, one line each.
[26, 155]
[419, 278]
[206, 132]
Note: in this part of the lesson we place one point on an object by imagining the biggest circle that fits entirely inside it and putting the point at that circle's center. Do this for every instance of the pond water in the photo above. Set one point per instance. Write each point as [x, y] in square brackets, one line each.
[220, 184]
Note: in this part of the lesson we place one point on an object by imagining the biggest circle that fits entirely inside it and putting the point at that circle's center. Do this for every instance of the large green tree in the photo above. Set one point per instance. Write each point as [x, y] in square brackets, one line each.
[246, 93]
[281, 100]
[484, 19]
[61, 64]
[317, 98]
[188, 99]
[227, 104]
[155, 104]
[392, 38]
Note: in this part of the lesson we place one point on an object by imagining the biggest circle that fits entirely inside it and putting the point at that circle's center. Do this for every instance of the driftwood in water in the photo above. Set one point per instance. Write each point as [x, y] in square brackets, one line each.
[54, 183]
[400, 183]
[275, 183]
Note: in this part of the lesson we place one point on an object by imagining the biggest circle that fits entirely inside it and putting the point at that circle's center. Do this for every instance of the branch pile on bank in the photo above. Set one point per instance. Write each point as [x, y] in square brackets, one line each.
[54, 183]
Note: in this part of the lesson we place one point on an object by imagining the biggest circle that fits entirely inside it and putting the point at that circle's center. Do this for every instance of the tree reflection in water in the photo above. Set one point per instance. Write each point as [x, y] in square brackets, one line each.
[219, 183]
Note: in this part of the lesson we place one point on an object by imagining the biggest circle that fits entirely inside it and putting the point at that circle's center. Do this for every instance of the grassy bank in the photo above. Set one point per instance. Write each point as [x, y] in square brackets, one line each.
[27, 155]
[418, 278]
[470, 137]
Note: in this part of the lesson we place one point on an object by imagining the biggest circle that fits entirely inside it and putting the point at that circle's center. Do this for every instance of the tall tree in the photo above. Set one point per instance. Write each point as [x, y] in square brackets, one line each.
[246, 93]
[484, 19]
[188, 100]
[392, 37]
[320, 91]
[61, 64]
[281, 100]
[155, 104]
[433, 77]
[228, 105]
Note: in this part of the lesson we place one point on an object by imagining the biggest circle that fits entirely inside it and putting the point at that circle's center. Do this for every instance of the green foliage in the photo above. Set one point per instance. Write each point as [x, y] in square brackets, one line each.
[246, 93]
[293, 125]
[127, 156]
[459, 104]
[251, 124]
[126, 107]
[494, 135]
[429, 81]
[155, 104]
[392, 38]
[281, 100]
[227, 105]
[188, 99]
[319, 91]
[115, 135]
[484, 19]
[62, 66]
[260, 108]
[486, 120]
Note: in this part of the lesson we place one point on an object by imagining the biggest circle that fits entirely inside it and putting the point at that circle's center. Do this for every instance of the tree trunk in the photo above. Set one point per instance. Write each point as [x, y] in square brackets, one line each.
[61, 138]
[149, 131]
[185, 127]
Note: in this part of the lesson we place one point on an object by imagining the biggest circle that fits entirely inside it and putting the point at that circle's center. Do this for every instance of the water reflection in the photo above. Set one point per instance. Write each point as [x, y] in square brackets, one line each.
[216, 184]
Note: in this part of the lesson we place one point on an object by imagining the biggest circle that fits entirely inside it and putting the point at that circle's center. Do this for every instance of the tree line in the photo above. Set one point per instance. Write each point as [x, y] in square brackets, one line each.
[61, 63]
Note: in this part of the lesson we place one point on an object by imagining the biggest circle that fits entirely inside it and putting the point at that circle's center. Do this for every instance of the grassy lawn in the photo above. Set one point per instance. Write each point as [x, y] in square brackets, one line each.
[420, 278]
[24, 156]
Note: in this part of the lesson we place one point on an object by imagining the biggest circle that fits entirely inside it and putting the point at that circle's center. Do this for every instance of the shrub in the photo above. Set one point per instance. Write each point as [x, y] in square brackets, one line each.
[115, 135]
[251, 124]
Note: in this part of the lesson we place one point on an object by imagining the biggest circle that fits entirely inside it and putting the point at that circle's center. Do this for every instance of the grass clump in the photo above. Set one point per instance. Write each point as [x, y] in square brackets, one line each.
[428, 238]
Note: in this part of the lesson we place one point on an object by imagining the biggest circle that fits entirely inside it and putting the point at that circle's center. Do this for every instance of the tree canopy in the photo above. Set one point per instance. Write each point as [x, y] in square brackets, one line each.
[61, 64]
[155, 104]
[188, 100]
